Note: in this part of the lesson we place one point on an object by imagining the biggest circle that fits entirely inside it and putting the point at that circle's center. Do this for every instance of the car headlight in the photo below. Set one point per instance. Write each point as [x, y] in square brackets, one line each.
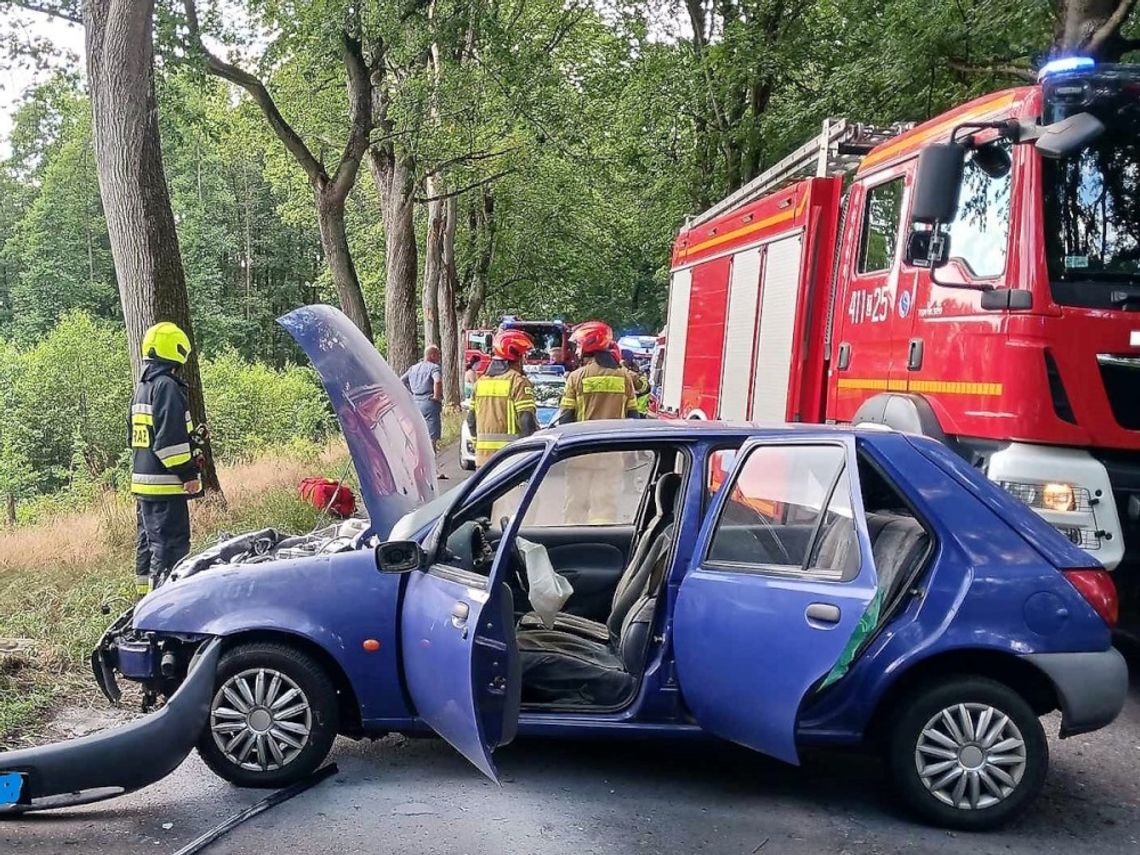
[1052, 496]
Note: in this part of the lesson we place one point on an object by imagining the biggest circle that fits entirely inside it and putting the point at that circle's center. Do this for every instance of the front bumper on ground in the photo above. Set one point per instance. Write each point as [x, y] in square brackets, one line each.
[1092, 687]
[117, 761]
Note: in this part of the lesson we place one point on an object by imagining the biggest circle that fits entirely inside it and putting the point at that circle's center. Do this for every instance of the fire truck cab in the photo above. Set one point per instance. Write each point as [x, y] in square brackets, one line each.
[977, 281]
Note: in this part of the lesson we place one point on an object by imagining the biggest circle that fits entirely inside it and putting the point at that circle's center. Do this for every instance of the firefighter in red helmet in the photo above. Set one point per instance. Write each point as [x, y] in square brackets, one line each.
[502, 405]
[599, 389]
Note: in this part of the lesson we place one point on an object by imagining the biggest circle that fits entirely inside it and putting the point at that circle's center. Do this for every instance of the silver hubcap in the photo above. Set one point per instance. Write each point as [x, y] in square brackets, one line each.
[970, 756]
[260, 720]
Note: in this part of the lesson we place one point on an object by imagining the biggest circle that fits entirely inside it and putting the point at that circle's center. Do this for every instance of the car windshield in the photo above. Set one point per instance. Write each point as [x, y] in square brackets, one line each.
[1092, 213]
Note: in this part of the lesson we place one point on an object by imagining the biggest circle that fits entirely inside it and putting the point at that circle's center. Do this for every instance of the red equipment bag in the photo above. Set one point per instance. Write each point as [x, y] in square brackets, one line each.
[324, 493]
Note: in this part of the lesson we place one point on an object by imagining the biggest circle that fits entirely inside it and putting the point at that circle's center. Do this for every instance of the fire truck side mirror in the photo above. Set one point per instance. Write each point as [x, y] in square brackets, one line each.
[937, 183]
[928, 248]
[1069, 136]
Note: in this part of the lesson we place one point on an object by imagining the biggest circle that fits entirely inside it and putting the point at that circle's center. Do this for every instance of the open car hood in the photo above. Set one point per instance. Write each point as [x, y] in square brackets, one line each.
[386, 435]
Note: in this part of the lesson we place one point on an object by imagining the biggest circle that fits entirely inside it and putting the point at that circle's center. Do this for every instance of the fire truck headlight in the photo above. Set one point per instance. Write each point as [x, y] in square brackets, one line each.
[1055, 496]
[1059, 497]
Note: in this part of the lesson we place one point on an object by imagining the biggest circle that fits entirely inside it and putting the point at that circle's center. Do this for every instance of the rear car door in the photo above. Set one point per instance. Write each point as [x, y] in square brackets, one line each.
[457, 635]
[776, 590]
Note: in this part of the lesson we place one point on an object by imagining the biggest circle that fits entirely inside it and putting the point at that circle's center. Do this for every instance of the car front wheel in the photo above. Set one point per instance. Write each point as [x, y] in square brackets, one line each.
[967, 753]
[273, 716]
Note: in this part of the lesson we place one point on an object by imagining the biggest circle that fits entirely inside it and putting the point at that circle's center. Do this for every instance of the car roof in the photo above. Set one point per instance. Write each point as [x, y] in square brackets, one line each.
[702, 429]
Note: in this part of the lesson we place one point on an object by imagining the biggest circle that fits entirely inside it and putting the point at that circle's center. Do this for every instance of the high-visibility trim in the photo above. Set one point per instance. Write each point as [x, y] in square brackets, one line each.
[568, 403]
[174, 455]
[524, 406]
[488, 388]
[512, 418]
[482, 444]
[142, 408]
[158, 490]
[140, 478]
[591, 385]
[751, 228]
[631, 404]
[142, 419]
[912, 140]
[943, 387]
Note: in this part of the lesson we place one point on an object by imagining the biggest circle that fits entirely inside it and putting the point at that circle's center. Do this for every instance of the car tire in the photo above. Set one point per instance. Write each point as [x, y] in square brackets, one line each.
[467, 465]
[281, 703]
[948, 772]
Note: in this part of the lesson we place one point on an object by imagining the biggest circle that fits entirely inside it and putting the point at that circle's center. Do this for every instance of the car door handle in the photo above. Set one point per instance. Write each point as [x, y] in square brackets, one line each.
[824, 613]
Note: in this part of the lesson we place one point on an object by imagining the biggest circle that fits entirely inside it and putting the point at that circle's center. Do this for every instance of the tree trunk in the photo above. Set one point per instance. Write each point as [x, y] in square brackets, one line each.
[392, 173]
[484, 220]
[334, 244]
[451, 355]
[433, 265]
[1091, 28]
[136, 201]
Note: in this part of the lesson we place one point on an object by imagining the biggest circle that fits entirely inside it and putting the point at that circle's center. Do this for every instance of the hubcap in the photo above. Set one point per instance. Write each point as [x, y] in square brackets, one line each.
[260, 720]
[970, 756]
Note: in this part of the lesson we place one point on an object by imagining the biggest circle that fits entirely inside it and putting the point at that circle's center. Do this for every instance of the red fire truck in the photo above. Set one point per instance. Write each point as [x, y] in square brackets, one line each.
[977, 281]
[551, 342]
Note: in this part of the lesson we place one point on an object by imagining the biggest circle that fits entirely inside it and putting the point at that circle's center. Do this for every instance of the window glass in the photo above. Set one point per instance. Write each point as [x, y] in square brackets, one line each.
[979, 234]
[592, 489]
[720, 466]
[881, 226]
[770, 516]
[836, 550]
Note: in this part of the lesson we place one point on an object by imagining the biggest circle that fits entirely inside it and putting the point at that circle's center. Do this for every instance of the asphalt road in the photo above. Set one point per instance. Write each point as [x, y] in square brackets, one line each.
[398, 795]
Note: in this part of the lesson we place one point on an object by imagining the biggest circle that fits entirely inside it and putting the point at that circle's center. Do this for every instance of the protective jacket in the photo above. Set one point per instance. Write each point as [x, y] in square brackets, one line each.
[159, 434]
[600, 389]
[502, 409]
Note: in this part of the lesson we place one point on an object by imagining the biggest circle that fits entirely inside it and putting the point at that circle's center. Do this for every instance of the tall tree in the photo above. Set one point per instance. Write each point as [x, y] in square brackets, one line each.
[330, 192]
[128, 158]
[1093, 28]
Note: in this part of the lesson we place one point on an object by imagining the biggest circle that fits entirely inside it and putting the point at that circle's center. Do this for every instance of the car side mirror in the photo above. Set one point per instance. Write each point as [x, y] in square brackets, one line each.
[399, 556]
[928, 248]
[1069, 136]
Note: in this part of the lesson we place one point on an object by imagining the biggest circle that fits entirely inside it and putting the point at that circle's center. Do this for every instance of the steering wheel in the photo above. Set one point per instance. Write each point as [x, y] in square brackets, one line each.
[482, 554]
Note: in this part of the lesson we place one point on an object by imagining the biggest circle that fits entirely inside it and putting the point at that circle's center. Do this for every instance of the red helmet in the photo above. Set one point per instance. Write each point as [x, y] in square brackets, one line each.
[512, 344]
[615, 352]
[592, 337]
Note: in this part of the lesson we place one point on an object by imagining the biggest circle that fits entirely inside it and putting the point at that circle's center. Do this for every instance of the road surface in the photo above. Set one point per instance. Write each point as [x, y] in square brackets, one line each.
[399, 795]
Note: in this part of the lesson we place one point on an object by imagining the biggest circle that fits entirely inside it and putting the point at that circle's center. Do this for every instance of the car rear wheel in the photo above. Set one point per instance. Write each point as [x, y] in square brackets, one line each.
[273, 716]
[967, 753]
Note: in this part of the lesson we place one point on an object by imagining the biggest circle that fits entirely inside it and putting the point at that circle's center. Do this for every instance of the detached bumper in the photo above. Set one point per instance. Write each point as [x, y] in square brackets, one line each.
[1092, 687]
[118, 761]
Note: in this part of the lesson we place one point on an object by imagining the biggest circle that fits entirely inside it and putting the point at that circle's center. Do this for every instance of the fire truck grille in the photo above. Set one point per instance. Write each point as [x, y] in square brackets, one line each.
[1121, 377]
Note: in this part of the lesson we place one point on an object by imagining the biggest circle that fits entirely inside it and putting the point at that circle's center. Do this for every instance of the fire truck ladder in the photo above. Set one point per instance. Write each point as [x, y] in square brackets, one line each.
[836, 151]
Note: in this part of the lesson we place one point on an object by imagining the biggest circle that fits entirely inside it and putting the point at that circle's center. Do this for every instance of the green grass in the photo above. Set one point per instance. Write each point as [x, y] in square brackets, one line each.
[56, 597]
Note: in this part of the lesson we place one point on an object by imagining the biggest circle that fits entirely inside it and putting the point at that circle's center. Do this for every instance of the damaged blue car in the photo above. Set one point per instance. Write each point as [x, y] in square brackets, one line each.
[780, 587]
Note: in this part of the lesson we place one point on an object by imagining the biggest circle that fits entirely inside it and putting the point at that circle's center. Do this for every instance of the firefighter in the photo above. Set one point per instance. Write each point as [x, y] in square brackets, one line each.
[599, 389]
[166, 458]
[640, 381]
[502, 405]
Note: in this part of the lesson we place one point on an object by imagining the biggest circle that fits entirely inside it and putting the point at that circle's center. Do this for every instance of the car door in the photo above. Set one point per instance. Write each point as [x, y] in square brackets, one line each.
[457, 636]
[778, 583]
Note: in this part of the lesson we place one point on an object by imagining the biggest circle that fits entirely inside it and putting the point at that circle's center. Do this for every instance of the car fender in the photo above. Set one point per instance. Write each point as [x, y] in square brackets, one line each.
[120, 760]
[339, 602]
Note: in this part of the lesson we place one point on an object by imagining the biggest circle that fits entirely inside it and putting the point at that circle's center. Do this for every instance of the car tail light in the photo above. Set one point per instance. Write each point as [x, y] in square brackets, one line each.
[1097, 587]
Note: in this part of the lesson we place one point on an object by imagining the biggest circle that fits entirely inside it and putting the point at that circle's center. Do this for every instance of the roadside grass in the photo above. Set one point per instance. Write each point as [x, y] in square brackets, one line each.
[451, 425]
[65, 579]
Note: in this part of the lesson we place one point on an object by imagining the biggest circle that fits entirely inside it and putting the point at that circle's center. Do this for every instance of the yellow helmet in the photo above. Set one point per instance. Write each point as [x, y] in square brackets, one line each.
[166, 341]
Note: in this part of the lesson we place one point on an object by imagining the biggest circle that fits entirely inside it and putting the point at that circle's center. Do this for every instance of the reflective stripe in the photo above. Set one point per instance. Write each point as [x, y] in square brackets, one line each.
[525, 406]
[603, 384]
[142, 408]
[142, 419]
[180, 450]
[157, 490]
[490, 444]
[568, 403]
[176, 460]
[493, 388]
[139, 478]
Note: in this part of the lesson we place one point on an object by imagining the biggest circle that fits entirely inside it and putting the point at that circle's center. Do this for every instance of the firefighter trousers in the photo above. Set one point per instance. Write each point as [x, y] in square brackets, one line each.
[163, 538]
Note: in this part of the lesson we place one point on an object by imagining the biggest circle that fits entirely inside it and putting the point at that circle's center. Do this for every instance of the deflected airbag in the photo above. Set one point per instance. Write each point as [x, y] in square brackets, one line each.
[548, 591]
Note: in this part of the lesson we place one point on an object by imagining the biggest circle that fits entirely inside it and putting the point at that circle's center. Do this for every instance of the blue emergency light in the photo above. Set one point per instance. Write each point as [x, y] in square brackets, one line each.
[1064, 65]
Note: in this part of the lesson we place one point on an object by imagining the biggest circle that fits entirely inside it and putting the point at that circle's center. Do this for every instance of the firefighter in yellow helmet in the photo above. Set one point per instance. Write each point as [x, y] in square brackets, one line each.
[166, 457]
[502, 405]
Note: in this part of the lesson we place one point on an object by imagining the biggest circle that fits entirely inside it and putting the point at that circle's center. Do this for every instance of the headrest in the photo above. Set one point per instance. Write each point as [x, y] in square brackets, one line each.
[668, 485]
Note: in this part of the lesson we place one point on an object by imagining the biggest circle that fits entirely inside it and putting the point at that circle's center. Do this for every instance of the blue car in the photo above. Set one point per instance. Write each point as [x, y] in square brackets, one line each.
[780, 587]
